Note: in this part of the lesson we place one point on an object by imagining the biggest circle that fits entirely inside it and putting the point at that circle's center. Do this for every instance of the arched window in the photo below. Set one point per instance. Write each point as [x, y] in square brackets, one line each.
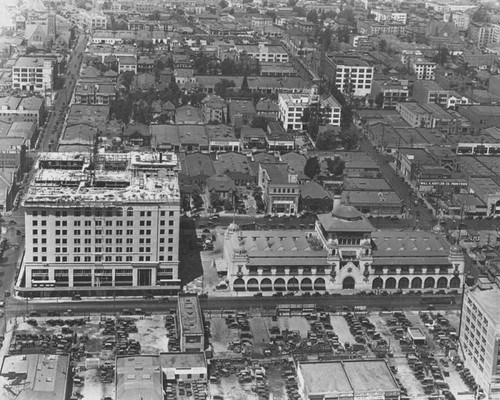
[403, 283]
[416, 283]
[377, 283]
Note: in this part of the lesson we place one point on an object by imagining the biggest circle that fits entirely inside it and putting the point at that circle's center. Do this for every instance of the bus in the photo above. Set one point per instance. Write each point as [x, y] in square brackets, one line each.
[437, 299]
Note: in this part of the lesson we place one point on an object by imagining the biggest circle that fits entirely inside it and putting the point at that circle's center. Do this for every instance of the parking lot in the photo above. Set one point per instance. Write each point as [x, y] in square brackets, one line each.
[93, 342]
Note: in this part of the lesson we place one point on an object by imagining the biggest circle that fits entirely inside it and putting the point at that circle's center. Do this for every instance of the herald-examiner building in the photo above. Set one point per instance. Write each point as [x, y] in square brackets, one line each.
[344, 252]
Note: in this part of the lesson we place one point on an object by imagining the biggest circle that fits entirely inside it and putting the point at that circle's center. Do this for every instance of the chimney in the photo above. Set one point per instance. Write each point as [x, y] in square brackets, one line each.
[337, 201]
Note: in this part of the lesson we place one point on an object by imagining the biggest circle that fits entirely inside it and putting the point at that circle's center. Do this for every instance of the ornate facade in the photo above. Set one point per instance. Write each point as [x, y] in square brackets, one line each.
[344, 253]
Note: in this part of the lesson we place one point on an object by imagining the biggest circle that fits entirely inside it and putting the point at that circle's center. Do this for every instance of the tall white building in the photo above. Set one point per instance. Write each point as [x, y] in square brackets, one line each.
[480, 335]
[351, 75]
[292, 106]
[106, 224]
[423, 68]
[35, 74]
[388, 15]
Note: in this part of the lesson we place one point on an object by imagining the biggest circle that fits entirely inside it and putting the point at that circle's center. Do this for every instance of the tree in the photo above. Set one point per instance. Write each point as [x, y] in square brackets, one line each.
[335, 166]
[223, 4]
[228, 67]
[348, 14]
[382, 45]
[185, 202]
[350, 137]
[379, 100]
[481, 15]
[272, 14]
[197, 200]
[228, 205]
[312, 167]
[292, 3]
[325, 141]
[442, 56]
[155, 16]
[126, 79]
[244, 84]
[222, 87]
[312, 16]
[215, 201]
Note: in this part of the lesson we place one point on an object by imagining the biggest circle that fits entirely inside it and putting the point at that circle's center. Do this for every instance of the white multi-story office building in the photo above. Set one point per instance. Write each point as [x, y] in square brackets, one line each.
[352, 76]
[264, 53]
[292, 106]
[388, 15]
[480, 335]
[423, 69]
[106, 224]
[33, 74]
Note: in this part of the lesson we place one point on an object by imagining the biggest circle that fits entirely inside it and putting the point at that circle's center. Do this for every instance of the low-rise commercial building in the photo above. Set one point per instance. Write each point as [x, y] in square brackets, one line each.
[191, 328]
[280, 189]
[36, 376]
[355, 379]
[33, 74]
[184, 366]
[138, 377]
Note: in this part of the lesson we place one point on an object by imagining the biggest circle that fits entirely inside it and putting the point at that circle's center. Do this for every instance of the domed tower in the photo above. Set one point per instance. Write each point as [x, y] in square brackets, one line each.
[346, 234]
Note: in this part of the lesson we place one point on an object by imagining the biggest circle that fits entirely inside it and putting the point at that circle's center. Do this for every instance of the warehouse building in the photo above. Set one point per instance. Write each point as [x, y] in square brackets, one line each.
[357, 379]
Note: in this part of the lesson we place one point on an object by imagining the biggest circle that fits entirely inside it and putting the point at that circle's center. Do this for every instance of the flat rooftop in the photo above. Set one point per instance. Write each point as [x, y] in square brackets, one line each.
[138, 377]
[45, 376]
[67, 178]
[190, 316]
[488, 301]
[347, 377]
[183, 360]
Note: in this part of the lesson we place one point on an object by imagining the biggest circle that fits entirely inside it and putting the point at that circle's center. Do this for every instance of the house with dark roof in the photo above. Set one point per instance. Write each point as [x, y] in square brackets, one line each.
[237, 167]
[252, 138]
[314, 198]
[189, 115]
[196, 168]
[137, 135]
[222, 186]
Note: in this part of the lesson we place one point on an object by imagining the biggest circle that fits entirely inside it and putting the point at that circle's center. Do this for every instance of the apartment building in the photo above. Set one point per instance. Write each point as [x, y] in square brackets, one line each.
[191, 329]
[388, 15]
[414, 114]
[393, 91]
[264, 53]
[280, 189]
[33, 74]
[422, 68]
[482, 34]
[428, 91]
[480, 334]
[104, 224]
[351, 75]
[292, 106]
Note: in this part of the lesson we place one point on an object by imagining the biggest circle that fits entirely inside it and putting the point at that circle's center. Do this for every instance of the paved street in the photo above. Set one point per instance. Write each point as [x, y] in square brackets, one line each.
[21, 307]
[54, 125]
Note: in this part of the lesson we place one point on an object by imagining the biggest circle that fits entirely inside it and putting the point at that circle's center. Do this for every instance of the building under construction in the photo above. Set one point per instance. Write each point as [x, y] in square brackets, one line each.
[101, 225]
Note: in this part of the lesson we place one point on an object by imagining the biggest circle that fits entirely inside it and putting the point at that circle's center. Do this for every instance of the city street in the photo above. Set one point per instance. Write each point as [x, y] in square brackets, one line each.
[394, 302]
[54, 125]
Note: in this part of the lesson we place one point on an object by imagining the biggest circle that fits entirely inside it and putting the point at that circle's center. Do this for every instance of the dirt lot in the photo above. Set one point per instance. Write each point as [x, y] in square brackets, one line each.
[341, 328]
[221, 336]
[260, 335]
[295, 324]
